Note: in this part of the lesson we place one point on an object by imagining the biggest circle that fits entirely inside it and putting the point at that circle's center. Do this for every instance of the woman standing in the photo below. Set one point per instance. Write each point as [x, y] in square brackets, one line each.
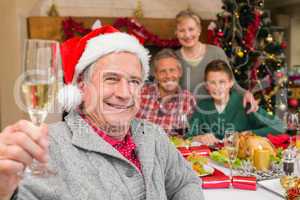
[195, 55]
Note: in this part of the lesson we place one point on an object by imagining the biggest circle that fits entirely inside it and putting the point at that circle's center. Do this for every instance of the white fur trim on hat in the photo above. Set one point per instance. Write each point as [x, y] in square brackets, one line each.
[108, 43]
[69, 97]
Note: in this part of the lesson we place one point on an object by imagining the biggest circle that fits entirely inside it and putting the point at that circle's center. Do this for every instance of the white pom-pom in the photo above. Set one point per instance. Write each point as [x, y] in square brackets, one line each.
[69, 97]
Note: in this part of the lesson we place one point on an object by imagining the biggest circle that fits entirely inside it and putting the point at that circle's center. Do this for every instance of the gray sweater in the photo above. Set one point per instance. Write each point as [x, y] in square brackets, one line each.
[91, 169]
[193, 76]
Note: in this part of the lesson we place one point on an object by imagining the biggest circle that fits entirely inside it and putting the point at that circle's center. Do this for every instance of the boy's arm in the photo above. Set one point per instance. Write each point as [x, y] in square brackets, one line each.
[263, 123]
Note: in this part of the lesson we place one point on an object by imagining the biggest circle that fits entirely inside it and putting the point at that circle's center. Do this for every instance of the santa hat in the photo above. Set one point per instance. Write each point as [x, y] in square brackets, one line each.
[79, 53]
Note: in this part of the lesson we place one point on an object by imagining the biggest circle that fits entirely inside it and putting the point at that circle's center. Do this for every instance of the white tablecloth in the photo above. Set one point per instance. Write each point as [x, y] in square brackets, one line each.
[236, 194]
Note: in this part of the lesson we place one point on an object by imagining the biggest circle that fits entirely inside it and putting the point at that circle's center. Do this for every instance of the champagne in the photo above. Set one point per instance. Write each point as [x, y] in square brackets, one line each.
[37, 96]
[232, 152]
[298, 139]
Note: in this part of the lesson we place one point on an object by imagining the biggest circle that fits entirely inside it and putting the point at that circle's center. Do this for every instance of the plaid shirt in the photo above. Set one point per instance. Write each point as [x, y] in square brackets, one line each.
[165, 111]
[126, 147]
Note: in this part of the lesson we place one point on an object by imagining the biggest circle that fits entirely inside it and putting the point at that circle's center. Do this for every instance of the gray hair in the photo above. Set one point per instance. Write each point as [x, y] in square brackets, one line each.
[165, 53]
[87, 73]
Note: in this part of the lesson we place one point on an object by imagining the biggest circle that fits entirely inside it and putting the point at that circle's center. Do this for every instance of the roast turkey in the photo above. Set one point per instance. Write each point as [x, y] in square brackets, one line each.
[248, 142]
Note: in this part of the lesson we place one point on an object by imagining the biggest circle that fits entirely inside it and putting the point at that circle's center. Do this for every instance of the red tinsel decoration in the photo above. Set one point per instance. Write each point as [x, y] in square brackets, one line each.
[72, 28]
[251, 31]
[133, 26]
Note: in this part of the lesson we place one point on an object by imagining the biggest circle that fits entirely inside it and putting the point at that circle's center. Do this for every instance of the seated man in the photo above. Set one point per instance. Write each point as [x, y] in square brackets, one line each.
[100, 151]
[224, 111]
[163, 102]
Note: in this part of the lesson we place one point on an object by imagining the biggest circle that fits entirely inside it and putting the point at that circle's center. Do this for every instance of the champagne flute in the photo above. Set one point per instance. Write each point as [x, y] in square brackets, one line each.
[41, 61]
[230, 145]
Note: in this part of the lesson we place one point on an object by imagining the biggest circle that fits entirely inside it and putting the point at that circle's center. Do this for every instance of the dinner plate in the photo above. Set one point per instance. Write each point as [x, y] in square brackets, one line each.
[210, 170]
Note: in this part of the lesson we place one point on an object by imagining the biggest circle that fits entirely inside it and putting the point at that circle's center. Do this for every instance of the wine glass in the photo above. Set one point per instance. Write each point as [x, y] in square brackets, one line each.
[41, 61]
[292, 124]
[230, 145]
[182, 124]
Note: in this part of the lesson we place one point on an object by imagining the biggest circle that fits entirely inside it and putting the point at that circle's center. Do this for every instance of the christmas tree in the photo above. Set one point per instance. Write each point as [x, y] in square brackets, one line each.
[255, 50]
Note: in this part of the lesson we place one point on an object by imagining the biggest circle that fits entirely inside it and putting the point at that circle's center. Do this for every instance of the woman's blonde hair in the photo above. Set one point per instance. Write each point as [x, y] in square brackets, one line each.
[188, 14]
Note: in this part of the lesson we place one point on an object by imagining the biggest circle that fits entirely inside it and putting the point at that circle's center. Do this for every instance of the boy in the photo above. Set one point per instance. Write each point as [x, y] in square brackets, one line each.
[224, 111]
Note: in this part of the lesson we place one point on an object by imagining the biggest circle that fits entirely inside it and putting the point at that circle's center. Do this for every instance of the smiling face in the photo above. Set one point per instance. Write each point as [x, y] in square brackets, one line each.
[188, 32]
[115, 82]
[168, 73]
[218, 84]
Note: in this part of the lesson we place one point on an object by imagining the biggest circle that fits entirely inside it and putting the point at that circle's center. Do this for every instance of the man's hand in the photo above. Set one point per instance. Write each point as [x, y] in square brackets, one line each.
[249, 99]
[20, 143]
[207, 139]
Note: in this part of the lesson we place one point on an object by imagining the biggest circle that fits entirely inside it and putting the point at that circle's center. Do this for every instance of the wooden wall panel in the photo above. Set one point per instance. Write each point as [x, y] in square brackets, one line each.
[51, 27]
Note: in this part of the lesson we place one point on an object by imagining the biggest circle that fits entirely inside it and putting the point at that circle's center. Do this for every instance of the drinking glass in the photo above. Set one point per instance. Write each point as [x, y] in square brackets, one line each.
[230, 145]
[182, 125]
[41, 61]
[292, 123]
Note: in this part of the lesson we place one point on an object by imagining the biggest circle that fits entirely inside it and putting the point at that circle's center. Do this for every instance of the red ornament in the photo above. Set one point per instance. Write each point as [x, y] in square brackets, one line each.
[293, 102]
[220, 33]
[279, 74]
[283, 45]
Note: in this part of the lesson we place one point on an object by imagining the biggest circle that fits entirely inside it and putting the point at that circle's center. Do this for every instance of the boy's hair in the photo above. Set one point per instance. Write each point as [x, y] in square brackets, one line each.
[218, 66]
[188, 14]
[164, 53]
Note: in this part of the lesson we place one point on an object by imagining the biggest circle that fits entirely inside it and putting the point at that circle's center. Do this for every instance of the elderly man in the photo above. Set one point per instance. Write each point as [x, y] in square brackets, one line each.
[163, 102]
[100, 151]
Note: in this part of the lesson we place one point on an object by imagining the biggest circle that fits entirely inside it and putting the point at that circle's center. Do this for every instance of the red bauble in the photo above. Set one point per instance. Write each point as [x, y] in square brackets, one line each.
[293, 102]
[220, 34]
[283, 45]
[279, 74]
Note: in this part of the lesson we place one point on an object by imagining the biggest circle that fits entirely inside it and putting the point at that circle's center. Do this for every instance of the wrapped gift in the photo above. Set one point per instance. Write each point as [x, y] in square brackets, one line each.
[215, 182]
[244, 182]
[184, 151]
[200, 150]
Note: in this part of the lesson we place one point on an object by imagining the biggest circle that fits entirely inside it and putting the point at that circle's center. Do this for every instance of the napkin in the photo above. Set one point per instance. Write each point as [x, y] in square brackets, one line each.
[282, 140]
